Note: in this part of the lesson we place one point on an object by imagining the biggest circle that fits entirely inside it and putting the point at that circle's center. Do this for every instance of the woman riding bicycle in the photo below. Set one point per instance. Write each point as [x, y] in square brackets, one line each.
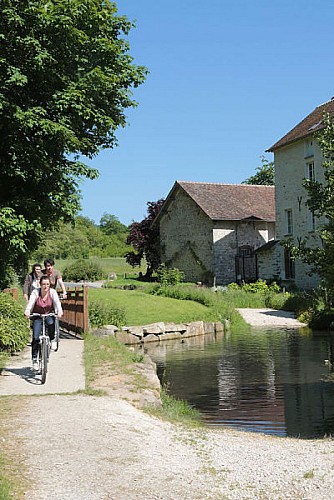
[42, 301]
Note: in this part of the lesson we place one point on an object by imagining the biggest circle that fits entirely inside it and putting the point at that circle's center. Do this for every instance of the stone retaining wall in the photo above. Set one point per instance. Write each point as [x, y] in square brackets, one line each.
[158, 332]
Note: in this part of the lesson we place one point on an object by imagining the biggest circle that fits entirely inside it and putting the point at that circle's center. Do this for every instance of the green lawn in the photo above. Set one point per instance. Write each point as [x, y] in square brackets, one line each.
[141, 308]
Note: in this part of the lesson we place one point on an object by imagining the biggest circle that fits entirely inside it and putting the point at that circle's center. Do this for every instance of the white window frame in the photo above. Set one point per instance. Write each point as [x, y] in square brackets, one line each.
[310, 171]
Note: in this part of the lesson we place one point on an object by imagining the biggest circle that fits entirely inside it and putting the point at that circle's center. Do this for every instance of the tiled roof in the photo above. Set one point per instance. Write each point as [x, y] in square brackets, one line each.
[312, 123]
[232, 201]
[267, 246]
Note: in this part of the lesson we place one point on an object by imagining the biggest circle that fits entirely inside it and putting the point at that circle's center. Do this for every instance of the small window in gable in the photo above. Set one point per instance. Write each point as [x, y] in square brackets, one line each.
[309, 148]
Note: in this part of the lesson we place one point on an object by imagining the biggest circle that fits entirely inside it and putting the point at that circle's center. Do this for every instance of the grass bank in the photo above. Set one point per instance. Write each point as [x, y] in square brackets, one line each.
[104, 356]
[103, 353]
[141, 308]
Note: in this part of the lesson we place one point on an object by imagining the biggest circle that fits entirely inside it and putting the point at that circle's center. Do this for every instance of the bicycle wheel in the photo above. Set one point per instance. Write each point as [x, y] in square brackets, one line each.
[44, 360]
[57, 334]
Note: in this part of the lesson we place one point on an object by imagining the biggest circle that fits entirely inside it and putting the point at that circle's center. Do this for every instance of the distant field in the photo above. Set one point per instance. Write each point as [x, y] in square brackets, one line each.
[109, 265]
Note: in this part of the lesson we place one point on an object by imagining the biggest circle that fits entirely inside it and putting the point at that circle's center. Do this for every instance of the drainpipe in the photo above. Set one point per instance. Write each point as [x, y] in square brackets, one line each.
[237, 276]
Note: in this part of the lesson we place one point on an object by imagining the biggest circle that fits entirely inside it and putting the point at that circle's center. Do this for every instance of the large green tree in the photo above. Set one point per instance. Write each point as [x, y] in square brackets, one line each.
[66, 80]
[265, 174]
[110, 225]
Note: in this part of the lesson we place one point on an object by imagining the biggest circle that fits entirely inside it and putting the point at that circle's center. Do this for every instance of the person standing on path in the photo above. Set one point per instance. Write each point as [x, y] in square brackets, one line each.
[54, 276]
[42, 301]
[31, 281]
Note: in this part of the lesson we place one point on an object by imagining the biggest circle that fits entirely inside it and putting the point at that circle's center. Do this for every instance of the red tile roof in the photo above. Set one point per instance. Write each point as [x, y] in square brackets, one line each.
[231, 201]
[312, 123]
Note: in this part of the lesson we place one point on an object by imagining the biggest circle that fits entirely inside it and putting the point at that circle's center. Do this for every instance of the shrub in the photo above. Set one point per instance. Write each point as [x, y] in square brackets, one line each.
[101, 314]
[277, 300]
[83, 270]
[298, 302]
[169, 277]
[322, 320]
[14, 327]
[259, 286]
[233, 286]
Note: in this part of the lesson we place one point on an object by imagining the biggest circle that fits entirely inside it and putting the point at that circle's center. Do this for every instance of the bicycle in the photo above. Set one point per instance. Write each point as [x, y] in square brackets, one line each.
[45, 343]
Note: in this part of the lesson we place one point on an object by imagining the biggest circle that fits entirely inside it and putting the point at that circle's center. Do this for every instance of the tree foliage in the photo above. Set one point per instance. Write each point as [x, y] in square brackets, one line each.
[145, 239]
[66, 79]
[80, 240]
[110, 224]
[265, 174]
[321, 203]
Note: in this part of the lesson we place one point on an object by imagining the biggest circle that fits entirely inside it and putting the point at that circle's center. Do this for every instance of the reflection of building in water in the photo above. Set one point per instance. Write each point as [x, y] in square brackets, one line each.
[228, 384]
[275, 382]
[248, 394]
[308, 392]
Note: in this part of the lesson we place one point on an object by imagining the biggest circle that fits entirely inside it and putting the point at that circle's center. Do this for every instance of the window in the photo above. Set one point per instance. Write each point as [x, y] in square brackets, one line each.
[289, 265]
[245, 250]
[288, 221]
[310, 174]
[309, 148]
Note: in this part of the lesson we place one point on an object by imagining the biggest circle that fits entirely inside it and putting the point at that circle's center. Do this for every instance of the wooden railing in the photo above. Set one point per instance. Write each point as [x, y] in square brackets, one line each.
[75, 307]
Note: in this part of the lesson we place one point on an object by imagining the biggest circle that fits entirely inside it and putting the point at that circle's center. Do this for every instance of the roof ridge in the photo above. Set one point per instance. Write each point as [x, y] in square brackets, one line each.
[225, 184]
[324, 103]
[311, 123]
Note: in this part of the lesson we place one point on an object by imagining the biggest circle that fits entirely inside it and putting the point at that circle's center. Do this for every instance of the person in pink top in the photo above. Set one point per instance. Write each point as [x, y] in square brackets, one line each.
[42, 301]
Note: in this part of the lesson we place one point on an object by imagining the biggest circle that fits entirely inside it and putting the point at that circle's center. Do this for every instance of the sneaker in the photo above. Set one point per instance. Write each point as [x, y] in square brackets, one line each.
[35, 366]
[54, 345]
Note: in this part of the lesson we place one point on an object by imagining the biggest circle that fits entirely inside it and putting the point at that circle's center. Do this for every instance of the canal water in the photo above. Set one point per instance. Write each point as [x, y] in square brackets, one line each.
[278, 382]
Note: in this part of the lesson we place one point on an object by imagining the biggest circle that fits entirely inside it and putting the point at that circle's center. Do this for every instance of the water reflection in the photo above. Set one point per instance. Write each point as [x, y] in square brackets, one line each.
[271, 381]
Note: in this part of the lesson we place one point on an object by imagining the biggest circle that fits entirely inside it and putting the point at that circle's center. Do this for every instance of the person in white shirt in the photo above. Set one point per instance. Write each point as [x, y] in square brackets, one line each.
[42, 301]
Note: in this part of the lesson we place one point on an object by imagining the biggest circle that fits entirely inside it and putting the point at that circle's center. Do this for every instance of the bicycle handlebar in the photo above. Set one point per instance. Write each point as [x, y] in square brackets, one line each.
[39, 315]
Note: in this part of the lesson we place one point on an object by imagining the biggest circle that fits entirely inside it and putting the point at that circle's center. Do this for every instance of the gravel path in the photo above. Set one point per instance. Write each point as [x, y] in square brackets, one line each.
[104, 448]
[65, 371]
[270, 318]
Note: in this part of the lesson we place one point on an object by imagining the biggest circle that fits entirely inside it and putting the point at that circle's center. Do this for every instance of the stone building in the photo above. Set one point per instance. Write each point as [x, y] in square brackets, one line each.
[212, 231]
[297, 156]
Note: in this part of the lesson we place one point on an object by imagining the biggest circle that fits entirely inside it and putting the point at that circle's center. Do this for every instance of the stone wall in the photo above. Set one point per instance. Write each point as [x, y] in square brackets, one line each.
[186, 239]
[228, 236]
[268, 263]
[159, 332]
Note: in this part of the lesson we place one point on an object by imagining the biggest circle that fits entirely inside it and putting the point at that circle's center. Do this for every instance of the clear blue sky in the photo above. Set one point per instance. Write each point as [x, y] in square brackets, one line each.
[227, 80]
